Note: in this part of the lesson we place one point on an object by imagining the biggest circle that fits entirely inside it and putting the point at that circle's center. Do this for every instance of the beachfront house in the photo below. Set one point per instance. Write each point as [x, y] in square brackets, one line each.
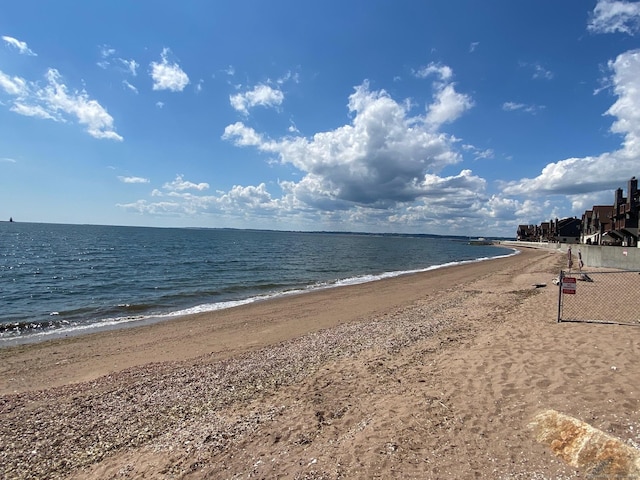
[625, 215]
[567, 230]
[612, 225]
[527, 233]
[545, 231]
[595, 225]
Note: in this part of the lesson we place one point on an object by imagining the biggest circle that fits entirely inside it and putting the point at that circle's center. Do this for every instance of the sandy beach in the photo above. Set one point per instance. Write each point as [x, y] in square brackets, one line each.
[436, 375]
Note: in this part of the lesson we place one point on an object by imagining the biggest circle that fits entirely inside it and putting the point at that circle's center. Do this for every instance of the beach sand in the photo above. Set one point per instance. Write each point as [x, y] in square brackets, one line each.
[437, 375]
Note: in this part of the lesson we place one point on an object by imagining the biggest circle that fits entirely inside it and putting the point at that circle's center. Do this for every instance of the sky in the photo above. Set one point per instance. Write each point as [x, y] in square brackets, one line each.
[388, 116]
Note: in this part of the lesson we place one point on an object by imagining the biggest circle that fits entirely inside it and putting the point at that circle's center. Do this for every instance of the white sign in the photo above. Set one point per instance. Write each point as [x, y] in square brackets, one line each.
[569, 285]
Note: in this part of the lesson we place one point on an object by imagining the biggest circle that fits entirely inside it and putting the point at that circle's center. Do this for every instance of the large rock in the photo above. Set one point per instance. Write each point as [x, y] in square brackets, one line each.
[583, 446]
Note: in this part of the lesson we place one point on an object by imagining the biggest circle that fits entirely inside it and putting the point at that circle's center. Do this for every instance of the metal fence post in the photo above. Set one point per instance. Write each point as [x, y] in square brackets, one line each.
[560, 277]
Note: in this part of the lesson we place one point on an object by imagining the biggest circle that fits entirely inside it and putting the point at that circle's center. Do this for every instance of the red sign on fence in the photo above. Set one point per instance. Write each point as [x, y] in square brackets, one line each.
[569, 285]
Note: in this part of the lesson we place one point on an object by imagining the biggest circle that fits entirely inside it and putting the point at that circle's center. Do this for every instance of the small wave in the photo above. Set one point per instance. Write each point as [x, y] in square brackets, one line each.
[140, 307]
[30, 332]
[13, 329]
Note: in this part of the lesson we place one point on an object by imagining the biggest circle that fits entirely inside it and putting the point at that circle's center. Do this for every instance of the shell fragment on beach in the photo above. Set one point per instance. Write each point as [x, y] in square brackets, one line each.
[583, 446]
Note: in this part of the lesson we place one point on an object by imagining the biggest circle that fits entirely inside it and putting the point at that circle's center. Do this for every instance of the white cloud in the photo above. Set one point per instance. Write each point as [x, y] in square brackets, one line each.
[180, 184]
[582, 202]
[7, 160]
[129, 86]
[255, 197]
[289, 76]
[513, 106]
[611, 16]
[383, 167]
[106, 51]
[160, 104]
[33, 111]
[168, 76]
[130, 65]
[133, 179]
[579, 176]
[448, 105]
[155, 208]
[106, 54]
[55, 102]
[262, 95]
[479, 154]
[88, 112]
[540, 72]
[379, 159]
[15, 86]
[443, 72]
[21, 46]
[292, 128]
[626, 109]
[242, 135]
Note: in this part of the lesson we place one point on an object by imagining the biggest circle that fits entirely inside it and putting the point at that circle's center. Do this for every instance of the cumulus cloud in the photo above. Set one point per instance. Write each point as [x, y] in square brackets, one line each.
[21, 46]
[626, 110]
[382, 167]
[54, 101]
[579, 176]
[448, 104]
[380, 158]
[261, 95]
[180, 184]
[611, 16]
[167, 75]
[133, 179]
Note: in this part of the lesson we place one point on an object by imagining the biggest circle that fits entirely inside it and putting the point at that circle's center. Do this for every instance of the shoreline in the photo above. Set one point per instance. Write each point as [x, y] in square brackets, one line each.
[432, 375]
[173, 334]
[116, 323]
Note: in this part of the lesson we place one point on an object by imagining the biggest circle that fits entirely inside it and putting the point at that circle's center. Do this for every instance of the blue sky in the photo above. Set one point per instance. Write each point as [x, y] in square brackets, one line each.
[444, 117]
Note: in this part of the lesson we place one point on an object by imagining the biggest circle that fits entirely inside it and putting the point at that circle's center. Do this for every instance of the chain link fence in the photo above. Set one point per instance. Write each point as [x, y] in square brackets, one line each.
[599, 297]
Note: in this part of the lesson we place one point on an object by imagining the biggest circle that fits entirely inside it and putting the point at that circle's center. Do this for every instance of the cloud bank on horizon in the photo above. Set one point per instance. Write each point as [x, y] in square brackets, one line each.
[282, 129]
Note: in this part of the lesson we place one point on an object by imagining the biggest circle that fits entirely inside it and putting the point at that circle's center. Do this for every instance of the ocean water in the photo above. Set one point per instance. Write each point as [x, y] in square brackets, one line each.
[58, 280]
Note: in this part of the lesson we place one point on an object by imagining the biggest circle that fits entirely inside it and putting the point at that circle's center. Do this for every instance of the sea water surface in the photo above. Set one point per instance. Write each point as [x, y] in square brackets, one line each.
[58, 280]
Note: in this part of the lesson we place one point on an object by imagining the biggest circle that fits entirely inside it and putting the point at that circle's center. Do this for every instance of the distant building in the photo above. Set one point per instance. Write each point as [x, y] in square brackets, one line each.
[526, 233]
[613, 225]
[567, 230]
[625, 215]
[595, 225]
